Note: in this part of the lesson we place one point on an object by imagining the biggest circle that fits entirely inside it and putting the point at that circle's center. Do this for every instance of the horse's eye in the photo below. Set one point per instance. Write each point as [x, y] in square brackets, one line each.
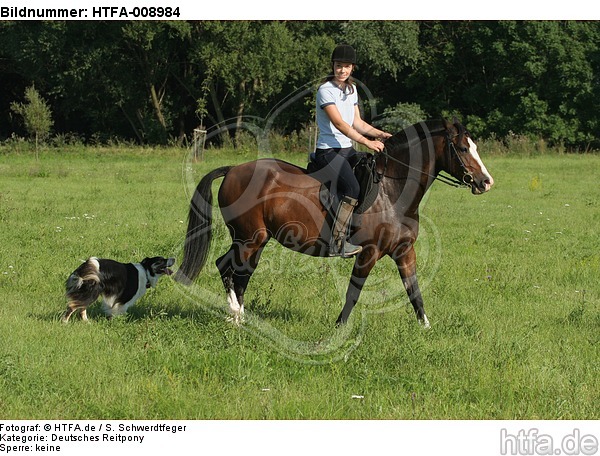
[463, 149]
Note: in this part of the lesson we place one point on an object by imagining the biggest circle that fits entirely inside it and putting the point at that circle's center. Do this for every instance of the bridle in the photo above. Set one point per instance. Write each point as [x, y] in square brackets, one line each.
[467, 177]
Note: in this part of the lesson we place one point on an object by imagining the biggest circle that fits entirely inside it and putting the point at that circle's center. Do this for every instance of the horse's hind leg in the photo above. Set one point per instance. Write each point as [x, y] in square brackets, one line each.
[236, 268]
[225, 266]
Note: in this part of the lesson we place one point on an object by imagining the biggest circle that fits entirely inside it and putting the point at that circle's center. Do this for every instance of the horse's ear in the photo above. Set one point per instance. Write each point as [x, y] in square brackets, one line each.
[447, 124]
[455, 120]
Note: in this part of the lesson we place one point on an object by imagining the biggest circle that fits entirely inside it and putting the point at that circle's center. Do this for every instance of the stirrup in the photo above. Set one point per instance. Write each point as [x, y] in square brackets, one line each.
[349, 250]
[346, 250]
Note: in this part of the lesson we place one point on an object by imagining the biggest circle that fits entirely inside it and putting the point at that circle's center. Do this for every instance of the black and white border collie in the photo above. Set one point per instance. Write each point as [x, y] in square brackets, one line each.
[119, 284]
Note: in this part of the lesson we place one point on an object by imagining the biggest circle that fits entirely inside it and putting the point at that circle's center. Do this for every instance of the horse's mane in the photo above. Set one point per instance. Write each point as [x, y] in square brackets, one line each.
[415, 133]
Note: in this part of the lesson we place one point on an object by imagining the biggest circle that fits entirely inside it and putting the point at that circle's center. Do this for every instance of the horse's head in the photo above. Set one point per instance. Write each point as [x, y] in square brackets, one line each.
[462, 160]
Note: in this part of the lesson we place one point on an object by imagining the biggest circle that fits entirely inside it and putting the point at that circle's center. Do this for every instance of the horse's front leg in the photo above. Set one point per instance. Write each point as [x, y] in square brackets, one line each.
[406, 261]
[362, 267]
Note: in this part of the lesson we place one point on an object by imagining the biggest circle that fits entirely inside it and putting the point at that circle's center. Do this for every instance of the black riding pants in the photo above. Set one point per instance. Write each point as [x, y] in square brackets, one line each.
[335, 164]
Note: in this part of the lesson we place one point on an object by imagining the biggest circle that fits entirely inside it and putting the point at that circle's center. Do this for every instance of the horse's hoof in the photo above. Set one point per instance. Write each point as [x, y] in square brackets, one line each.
[237, 320]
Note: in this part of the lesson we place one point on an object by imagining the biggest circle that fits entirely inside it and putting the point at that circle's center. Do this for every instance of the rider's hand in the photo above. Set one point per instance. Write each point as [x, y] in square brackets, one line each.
[375, 145]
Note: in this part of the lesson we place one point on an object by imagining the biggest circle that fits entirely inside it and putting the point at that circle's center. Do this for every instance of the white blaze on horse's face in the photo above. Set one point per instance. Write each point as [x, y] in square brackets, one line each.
[482, 180]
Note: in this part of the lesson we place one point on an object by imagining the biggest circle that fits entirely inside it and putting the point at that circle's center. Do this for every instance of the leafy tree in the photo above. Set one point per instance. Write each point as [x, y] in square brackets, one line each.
[154, 81]
[536, 78]
[384, 48]
[36, 114]
[402, 115]
[248, 67]
[155, 50]
[121, 79]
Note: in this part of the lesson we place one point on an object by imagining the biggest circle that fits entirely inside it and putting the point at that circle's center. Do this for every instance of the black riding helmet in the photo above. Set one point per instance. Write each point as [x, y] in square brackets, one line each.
[344, 53]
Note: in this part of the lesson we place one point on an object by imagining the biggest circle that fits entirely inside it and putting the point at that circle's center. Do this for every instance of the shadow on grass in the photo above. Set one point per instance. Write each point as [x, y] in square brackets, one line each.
[265, 310]
[137, 313]
[199, 315]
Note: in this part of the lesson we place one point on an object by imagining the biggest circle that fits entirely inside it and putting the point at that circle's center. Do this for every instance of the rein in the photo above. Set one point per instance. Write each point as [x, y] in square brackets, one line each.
[448, 180]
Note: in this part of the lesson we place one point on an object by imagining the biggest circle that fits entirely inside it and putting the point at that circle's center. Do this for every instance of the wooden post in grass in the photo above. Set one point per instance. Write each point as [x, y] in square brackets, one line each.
[199, 142]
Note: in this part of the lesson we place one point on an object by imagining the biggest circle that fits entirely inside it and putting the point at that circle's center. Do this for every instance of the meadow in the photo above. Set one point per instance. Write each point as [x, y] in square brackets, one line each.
[509, 279]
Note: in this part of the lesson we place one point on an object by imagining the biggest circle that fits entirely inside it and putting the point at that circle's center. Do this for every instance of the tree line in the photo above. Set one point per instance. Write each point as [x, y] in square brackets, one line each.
[154, 82]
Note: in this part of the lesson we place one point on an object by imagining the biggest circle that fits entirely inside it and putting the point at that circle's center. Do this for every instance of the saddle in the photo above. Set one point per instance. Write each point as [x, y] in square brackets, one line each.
[365, 170]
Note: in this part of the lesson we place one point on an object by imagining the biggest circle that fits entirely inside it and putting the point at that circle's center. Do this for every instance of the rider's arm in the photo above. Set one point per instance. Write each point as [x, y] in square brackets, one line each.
[365, 129]
[348, 130]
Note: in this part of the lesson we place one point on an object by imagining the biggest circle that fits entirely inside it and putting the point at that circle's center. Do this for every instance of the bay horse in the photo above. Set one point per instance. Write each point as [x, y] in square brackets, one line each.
[270, 198]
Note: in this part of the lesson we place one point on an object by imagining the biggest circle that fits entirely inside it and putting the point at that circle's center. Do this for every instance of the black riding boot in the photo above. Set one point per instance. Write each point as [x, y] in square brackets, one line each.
[339, 245]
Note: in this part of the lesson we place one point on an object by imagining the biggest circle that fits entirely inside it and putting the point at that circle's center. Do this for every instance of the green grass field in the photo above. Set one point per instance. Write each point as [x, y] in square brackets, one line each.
[509, 278]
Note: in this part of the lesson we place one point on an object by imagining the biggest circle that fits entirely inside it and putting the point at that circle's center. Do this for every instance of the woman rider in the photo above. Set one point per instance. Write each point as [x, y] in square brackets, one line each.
[339, 122]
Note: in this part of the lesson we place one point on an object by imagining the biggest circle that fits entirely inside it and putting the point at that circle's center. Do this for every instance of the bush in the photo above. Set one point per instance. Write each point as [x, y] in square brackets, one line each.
[398, 117]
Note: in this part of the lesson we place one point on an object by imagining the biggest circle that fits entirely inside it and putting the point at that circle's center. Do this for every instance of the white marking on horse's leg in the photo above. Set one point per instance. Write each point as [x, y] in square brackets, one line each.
[234, 306]
[232, 301]
[425, 322]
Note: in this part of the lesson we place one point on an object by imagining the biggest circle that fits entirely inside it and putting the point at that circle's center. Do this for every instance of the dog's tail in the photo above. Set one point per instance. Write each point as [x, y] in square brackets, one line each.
[82, 288]
[88, 273]
[84, 283]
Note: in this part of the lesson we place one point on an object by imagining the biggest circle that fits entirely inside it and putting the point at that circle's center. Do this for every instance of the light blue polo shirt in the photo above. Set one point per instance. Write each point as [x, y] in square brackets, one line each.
[329, 136]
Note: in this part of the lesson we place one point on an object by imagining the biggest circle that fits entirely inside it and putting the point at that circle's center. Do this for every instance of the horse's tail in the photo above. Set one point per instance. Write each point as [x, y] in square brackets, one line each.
[199, 232]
